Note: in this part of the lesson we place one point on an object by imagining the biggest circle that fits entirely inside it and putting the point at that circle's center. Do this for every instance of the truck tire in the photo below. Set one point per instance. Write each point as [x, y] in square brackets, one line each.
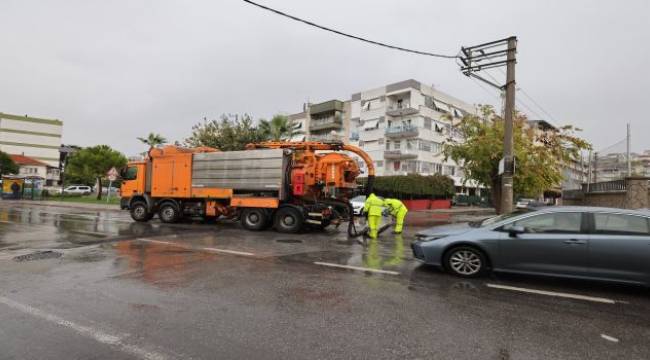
[288, 220]
[254, 219]
[168, 213]
[140, 212]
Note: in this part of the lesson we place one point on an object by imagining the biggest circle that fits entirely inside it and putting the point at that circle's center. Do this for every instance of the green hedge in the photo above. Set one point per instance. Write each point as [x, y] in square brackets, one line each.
[411, 187]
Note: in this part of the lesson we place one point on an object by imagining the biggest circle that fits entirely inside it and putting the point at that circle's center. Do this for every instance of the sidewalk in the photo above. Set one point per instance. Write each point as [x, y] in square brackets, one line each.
[73, 205]
[428, 218]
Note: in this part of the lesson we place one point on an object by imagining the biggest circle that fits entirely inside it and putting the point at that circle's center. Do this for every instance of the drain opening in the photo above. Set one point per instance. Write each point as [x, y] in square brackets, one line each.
[38, 255]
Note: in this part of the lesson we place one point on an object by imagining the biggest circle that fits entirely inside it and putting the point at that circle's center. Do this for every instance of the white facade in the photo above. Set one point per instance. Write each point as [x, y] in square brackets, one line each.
[33, 137]
[402, 127]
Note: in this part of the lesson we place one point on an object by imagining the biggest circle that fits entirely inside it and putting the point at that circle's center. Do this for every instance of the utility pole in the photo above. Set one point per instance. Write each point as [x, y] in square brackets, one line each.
[508, 147]
[487, 56]
[589, 172]
[629, 160]
[596, 167]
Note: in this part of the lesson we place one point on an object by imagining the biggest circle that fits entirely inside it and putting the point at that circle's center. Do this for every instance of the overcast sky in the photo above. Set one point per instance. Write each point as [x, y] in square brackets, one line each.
[116, 70]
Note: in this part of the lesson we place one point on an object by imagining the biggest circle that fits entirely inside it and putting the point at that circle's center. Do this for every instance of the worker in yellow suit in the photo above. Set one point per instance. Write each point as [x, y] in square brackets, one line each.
[398, 211]
[373, 208]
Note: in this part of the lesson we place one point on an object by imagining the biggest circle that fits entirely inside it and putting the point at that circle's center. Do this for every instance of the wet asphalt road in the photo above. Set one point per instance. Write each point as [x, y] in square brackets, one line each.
[112, 289]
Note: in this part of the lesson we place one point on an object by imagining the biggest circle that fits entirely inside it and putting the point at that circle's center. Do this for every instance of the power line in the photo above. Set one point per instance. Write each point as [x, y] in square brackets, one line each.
[523, 92]
[519, 101]
[278, 12]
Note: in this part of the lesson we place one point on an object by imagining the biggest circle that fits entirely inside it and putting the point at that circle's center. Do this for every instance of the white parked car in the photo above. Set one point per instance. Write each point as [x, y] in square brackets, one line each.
[78, 190]
[524, 203]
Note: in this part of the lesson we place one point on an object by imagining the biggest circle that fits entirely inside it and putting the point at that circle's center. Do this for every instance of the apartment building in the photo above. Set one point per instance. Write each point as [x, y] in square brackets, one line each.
[402, 126]
[323, 121]
[574, 172]
[36, 138]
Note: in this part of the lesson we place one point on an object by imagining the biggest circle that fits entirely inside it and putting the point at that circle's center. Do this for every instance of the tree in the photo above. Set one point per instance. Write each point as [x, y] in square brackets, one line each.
[226, 134]
[153, 140]
[90, 164]
[7, 166]
[539, 156]
[280, 127]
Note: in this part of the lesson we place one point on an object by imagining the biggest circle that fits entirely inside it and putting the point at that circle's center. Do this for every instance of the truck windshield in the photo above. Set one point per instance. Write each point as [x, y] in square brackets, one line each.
[130, 173]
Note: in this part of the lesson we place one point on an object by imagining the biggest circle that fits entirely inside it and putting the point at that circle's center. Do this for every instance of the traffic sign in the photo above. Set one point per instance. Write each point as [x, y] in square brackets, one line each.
[112, 174]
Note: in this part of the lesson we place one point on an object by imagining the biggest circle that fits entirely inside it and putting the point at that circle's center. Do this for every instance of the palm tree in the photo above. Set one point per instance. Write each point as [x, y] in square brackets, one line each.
[278, 128]
[153, 140]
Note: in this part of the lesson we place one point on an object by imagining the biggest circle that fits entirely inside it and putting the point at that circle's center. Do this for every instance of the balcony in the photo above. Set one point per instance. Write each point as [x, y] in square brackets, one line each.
[400, 132]
[325, 107]
[401, 109]
[400, 154]
[333, 122]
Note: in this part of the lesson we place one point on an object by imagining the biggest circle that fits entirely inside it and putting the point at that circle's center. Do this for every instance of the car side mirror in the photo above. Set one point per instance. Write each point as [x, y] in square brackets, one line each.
[514, 230]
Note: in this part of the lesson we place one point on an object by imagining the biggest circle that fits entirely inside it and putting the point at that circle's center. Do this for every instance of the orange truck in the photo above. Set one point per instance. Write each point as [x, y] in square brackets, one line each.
[287, 185]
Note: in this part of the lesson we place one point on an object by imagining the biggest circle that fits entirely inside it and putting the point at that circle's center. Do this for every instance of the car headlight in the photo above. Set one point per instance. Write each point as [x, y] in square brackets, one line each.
[424, 237]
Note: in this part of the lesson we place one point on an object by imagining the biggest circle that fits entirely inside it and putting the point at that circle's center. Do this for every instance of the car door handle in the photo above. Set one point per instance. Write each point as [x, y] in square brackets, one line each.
[574, 241]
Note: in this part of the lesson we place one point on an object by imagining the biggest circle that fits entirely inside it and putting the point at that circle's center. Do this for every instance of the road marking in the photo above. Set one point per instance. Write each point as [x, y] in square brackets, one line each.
[609, 338]
[87, 331]
[209, 249]
[553, 293]
[358, 268]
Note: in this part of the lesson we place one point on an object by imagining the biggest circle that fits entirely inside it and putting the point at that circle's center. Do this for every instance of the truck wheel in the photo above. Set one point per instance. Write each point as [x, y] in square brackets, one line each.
[288, 220]
[254, 219]
[140, 212]
[168, 213]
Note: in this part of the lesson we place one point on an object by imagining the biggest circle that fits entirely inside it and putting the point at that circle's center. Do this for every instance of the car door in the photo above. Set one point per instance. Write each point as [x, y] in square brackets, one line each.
[619, 247]
[553, 243]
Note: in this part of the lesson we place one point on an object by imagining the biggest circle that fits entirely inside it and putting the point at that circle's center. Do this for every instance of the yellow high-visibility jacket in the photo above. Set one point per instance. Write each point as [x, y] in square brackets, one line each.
[373, 205]
[394, 206]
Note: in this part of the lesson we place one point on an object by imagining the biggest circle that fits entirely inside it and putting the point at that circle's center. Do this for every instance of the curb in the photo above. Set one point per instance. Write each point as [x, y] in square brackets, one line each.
[98, 207]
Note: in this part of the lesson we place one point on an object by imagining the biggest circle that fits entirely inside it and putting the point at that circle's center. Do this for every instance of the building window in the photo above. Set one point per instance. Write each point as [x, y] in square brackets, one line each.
[437, 168]
[379, 163]
[425, 145]
[427, 123]
[381, 141]
[436, 147]
[387, 144]
[449, 170]
[397, 145]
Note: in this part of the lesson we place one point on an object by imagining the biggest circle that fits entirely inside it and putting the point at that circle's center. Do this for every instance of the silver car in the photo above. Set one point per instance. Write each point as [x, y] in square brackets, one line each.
[576, 242]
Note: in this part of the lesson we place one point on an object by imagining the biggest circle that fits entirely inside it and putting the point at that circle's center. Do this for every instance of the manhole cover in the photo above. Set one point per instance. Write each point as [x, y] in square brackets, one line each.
[39, 255]
[289, 241]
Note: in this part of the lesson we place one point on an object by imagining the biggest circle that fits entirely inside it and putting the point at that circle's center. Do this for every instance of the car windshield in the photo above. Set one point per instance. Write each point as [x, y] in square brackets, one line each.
[495, 219]
[359, 198]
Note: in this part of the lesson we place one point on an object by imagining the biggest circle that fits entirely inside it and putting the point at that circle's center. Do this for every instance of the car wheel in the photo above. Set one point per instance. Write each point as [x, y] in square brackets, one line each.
[139, 212]
[288, 220]
[254, 219]
[168, 213]
[465, 261]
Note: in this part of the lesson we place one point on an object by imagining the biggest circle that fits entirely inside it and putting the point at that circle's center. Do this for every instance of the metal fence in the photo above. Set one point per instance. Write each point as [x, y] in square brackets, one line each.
[605, 186]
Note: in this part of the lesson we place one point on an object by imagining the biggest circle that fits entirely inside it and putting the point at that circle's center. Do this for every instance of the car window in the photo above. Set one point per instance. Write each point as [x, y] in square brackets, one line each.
[552, 223]
[620, 224]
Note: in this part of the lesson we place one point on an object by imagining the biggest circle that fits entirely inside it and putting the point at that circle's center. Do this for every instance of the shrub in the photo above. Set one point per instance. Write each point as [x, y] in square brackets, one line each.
[414, 186]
